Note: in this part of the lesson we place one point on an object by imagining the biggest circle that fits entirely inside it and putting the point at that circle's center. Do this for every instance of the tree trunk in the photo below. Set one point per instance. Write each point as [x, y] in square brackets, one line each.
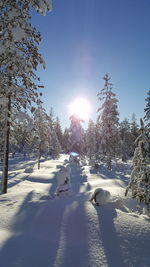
[39, 156]
[24, 152]
[6, 149]
[109, 163]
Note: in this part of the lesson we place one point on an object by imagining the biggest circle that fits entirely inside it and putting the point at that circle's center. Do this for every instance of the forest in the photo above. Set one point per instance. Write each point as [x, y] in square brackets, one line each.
[109, 154]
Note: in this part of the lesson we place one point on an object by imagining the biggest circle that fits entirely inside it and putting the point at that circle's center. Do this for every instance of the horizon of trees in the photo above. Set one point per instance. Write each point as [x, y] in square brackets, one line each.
[42, 132]
[24, 124]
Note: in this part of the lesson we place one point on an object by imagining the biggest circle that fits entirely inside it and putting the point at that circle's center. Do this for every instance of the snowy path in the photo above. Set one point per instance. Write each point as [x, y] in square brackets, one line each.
[37, 231]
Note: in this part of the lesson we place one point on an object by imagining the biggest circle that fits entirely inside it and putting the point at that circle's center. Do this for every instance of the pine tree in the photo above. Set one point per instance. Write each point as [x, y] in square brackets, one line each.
[58, 131]
[21, 135]
[134, 131]
[126, 147]
[108, 120]
[54, 144]
[3, 106]
[140, 176]
[91, 140]
[41, 132]
[66, 140]
[147, 110]
[76, 135]
[19, 58]
[99, 151]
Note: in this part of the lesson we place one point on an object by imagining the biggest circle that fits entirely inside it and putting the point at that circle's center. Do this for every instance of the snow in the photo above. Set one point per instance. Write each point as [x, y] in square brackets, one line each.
[43, 6]
[3, 101]
[18, 34]
[100, 196]
[39, 229]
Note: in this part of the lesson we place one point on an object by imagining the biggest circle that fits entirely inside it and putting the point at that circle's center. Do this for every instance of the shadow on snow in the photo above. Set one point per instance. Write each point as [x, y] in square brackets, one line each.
[49, 232]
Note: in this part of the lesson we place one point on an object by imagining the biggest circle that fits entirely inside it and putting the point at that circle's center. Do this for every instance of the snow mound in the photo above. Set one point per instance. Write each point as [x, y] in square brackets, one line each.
[100, 196]
[63, 174]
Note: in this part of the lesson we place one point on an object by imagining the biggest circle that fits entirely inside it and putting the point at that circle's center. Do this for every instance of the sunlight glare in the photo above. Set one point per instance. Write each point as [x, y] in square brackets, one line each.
[80, 107]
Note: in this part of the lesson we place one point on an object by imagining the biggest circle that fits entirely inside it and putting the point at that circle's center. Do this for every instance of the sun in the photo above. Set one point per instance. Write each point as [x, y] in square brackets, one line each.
[80, 107]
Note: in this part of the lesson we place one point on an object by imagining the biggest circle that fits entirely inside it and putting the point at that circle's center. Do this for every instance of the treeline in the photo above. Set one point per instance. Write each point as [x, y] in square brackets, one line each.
[107, 137]
[24, 125]
[41, 134]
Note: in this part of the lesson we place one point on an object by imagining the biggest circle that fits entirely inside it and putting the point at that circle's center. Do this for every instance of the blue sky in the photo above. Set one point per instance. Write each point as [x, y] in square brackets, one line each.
[84, 39]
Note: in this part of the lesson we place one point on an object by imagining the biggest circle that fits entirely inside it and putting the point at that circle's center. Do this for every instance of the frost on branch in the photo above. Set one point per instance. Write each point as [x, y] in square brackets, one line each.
[42, 6]
[18, 34]
[140, 177]
[108, 121]
[19, 60]
[19, 55]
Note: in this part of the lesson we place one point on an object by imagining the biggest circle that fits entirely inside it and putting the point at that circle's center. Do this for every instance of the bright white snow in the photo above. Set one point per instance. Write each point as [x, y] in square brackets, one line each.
[37, 229]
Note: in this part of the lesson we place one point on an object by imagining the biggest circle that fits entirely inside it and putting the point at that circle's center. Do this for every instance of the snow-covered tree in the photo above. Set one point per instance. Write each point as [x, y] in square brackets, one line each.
[126, 140]
[134, 130]
[58, 131]
[140, 177]
[128, 134]
[147, 110]
[54, 144]
[99, 151]
[90, 140]
[66, 140]
[21, 135]
[19, 55]
[3, 105]
[41, 132]
[19, 58]
[76, 135]
[108, 120]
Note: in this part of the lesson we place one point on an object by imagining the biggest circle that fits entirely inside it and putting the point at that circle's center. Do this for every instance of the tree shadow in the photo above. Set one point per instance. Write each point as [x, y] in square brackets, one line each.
[36, 237]
[122, 176]
[40, 180]
[77, 178]
[106, 215]
[21, 163]
[37, 227]
[128, 249]
[117, 176]
[12, 183]
[75, 230]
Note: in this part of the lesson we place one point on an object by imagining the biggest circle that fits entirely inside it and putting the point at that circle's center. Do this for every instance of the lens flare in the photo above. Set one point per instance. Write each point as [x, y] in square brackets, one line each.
[80, 107]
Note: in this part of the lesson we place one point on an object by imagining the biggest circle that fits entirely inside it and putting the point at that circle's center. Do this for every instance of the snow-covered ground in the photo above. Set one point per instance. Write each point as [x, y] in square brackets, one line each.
[39, 230]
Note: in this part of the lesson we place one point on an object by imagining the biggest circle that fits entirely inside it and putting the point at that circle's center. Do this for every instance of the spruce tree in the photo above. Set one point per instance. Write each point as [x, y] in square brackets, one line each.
[66, 140]
[147, 110]
[134, 127]
[40, 133]
[126, 143]
[22, 132]
[108, 120]
[139, 183]
[90, 138]
[58, 131]
[54, 144]
[76, 135]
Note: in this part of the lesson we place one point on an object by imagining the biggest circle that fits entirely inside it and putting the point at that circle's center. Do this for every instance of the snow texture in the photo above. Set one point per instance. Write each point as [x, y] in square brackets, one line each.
[38, 229]
[100, 196]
